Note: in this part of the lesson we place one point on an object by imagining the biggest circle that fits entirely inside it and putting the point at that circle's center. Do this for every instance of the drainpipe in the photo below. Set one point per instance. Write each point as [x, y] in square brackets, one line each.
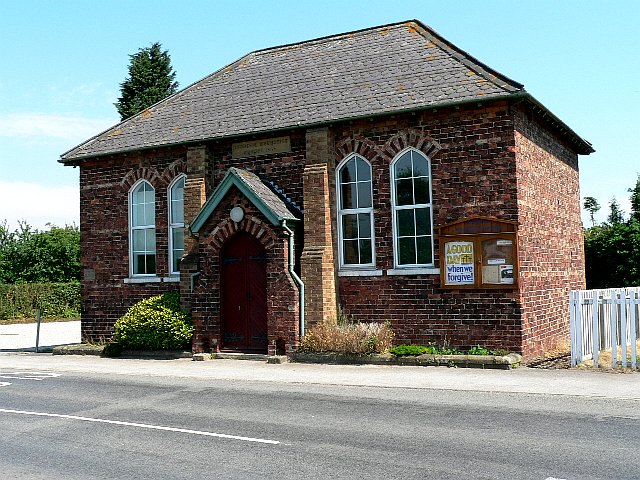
[294, 275]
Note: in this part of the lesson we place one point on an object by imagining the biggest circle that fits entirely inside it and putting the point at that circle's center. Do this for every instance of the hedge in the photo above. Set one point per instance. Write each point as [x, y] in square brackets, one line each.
[57, 300]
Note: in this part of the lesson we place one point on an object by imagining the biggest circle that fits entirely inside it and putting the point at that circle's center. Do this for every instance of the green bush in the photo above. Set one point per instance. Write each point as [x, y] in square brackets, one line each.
[478, 350]
[432, 349]
[156, 323]
[57, 300]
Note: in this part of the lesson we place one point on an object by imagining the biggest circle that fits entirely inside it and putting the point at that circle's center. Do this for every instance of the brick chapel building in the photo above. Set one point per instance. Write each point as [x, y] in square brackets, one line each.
[384, 170]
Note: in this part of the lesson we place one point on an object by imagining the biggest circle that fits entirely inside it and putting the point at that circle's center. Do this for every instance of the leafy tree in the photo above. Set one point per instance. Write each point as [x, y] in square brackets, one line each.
[612, 255]
[616, 215]
[635, 200]
[591, 205]
[28, 255]
[151, 79]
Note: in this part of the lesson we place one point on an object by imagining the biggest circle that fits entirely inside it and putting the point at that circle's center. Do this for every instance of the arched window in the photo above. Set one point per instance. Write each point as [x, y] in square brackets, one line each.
[412, 212]
[355, 213]
[142, 233]
[176, 224]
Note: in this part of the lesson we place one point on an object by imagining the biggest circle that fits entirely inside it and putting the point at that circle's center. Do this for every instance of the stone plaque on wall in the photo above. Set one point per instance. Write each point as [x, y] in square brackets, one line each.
[267, 146]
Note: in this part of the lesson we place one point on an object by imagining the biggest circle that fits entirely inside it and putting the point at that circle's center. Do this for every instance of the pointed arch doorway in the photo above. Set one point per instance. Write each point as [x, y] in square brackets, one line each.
[243, 288]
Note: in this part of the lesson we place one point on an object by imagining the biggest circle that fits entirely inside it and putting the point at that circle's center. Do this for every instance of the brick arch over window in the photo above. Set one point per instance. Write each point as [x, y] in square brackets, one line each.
[172, 171]
[149, 174]
[357, 144]
[410, 138]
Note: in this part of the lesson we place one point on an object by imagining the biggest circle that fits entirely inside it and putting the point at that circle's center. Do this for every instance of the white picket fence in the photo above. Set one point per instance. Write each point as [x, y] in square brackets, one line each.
[605, 320]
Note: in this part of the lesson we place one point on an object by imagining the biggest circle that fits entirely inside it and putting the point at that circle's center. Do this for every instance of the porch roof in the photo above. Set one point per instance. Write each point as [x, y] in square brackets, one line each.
[262, 195]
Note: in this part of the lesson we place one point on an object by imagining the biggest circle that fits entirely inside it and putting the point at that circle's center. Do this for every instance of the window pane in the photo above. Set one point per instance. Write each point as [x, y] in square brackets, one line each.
[423, 221]
[402, 168]
[178, 238]
[422, 189]
[177, 256]
[424, 250]
[350, 226]
[144, 264]
[151, 239]
[406, 251]
[365, 251]
[177, 192]
[364, 224]
[138, 194]
[177, 212]
[138, 241]
[151, 264]
[364, 171]
[364, 194]
[404, 192]
[405, 225]
[348, 171]
[137, 214]
[349, 194]
[149, 193]
[420, 165]
[149, 214]
[138, 264]
[350, 252]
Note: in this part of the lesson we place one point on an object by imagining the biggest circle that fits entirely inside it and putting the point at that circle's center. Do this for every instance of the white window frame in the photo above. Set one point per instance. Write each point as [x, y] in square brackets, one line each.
[352, 211]
[174, 225]
[395, 208]
[132, 228]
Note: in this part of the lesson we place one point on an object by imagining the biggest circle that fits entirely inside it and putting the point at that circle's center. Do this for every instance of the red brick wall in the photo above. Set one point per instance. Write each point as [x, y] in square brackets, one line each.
[550, 233]
[486, 160]
[104, 187]
[473, 170]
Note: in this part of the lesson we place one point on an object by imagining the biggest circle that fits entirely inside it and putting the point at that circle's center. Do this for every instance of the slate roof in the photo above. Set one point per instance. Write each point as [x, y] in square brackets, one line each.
[272, 205]
[393, 68]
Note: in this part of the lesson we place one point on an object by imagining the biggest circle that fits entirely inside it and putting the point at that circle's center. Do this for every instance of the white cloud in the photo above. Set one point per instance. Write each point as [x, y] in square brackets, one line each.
[38, 204]
[67, 127]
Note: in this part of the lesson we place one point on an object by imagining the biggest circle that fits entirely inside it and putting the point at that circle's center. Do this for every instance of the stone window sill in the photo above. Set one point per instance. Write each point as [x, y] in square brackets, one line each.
[152, 280]
[414, 271]
[360, 273]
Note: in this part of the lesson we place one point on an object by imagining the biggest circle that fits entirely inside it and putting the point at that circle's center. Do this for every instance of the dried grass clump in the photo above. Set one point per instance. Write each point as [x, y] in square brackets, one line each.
[354, 338]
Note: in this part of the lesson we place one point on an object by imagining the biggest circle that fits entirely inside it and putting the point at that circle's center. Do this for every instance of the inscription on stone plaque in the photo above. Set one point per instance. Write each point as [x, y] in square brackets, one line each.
[267, 146]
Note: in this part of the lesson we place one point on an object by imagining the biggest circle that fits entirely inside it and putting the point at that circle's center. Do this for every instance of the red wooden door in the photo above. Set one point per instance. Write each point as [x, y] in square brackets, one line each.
[244, 294]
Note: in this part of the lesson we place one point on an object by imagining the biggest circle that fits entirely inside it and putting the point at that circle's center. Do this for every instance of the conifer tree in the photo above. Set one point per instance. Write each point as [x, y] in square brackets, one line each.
[591, 205]
[151, 78]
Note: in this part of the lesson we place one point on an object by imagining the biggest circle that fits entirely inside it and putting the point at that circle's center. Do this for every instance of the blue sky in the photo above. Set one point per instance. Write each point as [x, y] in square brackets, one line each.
[63, 61]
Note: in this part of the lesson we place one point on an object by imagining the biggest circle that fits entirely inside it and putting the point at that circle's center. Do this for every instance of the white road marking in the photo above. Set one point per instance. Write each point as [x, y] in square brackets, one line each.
[4, 384]
[554, 478]
[28, 375]
[141, 425]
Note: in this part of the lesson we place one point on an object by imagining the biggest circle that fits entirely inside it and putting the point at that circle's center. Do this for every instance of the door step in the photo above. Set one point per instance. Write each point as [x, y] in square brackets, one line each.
[258, 357]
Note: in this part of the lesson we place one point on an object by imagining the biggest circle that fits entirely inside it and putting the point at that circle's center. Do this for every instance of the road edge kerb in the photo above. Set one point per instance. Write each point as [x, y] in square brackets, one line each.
[512, 360]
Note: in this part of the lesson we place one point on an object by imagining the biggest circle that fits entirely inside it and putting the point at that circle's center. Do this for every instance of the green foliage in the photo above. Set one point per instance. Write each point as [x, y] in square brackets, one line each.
[31, 256]
[479, 350]
[431, 348]
[612, 250]
[616, 215]
[406, 350]
[57, 300]
[591, 205]
[635, 200]
[151, 79]
[612, 255]
[156, 323]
